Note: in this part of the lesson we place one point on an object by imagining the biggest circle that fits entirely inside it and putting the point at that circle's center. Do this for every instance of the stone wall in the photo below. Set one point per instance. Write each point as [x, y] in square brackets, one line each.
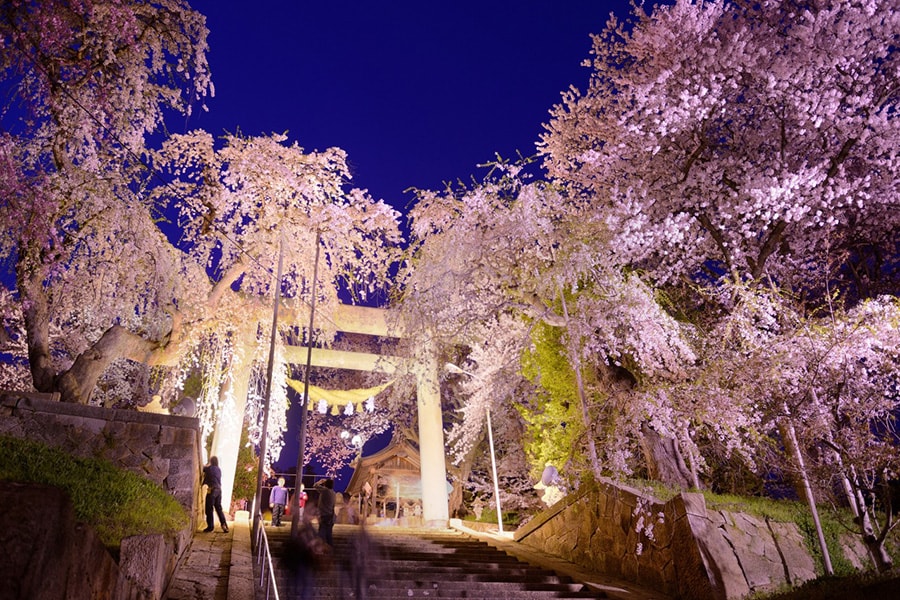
[678, 547]
[162, 448]
[48, 556]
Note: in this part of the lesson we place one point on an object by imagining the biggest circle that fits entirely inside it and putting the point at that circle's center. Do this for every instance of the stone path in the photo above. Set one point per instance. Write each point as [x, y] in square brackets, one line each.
[219, 566]
[203, 574]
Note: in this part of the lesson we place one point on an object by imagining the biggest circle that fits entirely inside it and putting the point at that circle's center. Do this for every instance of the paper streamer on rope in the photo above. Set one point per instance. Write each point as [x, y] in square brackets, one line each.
[346, 401]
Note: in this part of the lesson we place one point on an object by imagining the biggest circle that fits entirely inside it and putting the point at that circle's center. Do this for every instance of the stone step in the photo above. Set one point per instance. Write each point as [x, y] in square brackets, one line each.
[423, 564]
[421, 589]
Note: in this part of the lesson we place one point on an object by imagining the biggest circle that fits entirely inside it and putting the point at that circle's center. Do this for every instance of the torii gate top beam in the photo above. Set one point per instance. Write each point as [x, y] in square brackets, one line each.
[372, 321]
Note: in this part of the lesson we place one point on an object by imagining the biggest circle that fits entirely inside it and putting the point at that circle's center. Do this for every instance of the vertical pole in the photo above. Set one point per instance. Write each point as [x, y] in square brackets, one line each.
[793, 445]
[264, 442]
[295, 501]
[494, 469]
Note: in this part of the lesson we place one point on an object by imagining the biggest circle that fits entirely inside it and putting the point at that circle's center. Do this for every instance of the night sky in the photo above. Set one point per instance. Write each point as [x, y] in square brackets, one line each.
[417, 93]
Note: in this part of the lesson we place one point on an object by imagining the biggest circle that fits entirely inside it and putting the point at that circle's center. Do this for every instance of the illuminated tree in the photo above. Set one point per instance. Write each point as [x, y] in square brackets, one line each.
[838, 379]
[491, 262]
[87, 81]
[114, 261]
[750, 147]
[742, 139]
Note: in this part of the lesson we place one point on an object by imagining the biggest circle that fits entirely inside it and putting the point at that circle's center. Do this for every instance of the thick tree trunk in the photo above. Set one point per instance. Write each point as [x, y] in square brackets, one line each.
[77, 384]
[460, 477]
[36, 313]
[665, 462]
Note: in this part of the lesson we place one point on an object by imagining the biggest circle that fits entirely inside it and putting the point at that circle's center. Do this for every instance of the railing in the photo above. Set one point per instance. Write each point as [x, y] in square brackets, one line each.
[264, 560]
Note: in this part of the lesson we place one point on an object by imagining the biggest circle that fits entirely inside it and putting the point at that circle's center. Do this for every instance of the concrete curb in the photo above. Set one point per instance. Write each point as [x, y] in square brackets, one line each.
[240, 575]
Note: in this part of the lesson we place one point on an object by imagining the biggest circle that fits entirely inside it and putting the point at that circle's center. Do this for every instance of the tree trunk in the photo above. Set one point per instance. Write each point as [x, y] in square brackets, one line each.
[36, 313]
[862, 509]
[460, 477]
[664, 460]
[593, 457]
[77, 384]
[793, 448]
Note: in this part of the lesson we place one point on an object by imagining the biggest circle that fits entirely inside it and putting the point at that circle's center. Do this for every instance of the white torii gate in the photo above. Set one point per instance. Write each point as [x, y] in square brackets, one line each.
[349, 319]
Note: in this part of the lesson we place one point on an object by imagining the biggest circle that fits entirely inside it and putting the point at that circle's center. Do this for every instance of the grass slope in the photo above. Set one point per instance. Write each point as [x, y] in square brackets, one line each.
[116, 503]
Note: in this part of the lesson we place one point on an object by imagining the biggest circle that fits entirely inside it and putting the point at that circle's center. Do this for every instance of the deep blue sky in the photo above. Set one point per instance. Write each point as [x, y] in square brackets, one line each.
[417, 93]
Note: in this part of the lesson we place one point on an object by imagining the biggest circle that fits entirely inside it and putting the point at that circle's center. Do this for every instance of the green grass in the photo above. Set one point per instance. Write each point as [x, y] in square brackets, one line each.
[116, 503]
[489, 515]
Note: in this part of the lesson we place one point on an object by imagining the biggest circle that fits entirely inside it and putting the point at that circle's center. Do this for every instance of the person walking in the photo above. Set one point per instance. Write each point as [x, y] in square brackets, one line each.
[212, 479]
[278, 498]
[326, 509]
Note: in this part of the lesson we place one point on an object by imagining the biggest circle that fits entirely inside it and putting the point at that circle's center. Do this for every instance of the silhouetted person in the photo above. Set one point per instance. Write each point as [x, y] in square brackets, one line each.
[212, 478]
[326, 509]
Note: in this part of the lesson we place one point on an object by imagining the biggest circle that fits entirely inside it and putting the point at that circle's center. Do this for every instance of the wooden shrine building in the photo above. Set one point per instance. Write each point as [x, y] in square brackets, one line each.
[387, 486]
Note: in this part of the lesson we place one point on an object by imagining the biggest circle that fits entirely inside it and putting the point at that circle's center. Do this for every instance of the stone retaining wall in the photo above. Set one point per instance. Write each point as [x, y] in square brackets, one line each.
[678, 547]
[48, 556]
[162, 448]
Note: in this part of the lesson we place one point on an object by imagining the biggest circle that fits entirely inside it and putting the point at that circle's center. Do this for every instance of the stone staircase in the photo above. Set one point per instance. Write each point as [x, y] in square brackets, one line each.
[402, 563]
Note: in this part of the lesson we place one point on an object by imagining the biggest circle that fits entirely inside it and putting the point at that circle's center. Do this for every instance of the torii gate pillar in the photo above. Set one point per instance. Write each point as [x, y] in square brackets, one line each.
[435, 510]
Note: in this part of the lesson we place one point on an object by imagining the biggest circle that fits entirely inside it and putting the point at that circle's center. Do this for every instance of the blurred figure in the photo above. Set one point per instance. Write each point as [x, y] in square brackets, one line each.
[301, 501]
[304, 554]
[348, 515]
[325, 488]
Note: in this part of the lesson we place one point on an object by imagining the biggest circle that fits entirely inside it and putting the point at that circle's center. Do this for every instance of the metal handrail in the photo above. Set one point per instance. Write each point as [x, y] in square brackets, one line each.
[264, 560]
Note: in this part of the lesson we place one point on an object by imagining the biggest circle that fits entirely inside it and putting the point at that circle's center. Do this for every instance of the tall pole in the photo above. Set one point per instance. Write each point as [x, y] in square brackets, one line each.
[264, 442]
[494, 469]
[304, 402]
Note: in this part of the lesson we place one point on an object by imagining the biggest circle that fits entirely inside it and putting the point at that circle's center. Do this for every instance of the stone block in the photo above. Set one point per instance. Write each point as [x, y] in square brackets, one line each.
[180, 436]
[797, 560]
[33, 542]
[855, 551]
[144, 560]
[88, 427]
[92, 572]
[138, 437]
[183, 481]
[756, 552]
[177, 452]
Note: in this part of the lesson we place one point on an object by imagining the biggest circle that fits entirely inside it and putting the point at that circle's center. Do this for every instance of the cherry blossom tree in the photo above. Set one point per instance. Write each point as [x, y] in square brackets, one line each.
[746, 142]
[838, 378]
[743, 139]
[123, 262]
[87, 81]
[725, 151]
[493, 261]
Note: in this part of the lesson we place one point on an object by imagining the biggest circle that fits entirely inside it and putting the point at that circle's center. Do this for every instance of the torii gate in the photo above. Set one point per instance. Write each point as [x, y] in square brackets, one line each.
[349, 319]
